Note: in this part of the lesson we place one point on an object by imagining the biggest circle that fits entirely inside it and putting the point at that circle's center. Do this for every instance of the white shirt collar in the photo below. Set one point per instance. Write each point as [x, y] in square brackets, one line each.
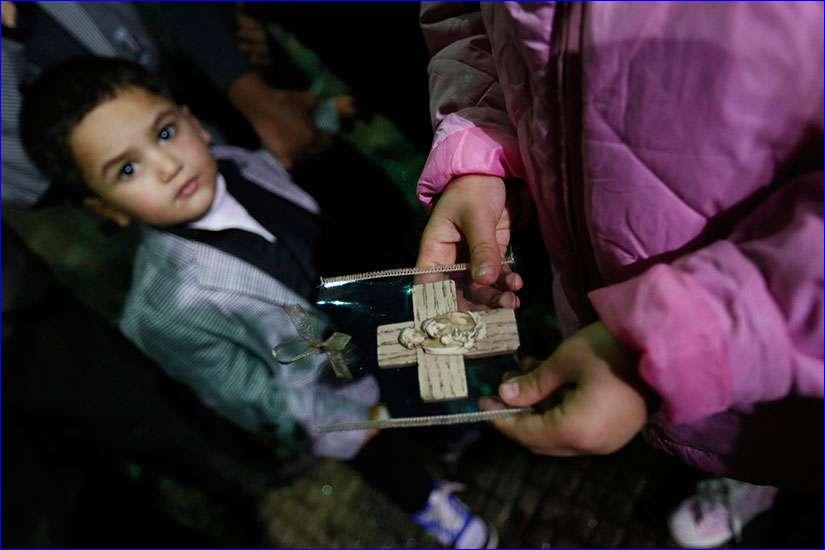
[227, 213]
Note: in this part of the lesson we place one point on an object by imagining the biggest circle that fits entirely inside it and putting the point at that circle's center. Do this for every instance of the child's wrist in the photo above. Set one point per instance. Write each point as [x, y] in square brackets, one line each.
[625, 360]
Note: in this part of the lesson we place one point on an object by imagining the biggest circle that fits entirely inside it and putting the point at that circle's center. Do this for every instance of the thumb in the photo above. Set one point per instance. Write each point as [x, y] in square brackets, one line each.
[528, 389]
[485, 259]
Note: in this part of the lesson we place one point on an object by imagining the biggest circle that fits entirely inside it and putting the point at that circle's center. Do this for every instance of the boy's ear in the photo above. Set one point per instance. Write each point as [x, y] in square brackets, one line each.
[207, 137]
[103, 209]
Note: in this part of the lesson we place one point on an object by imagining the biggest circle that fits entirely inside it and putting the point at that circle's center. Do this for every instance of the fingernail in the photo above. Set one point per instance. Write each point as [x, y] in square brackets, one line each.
[482, 271]
[509, 390]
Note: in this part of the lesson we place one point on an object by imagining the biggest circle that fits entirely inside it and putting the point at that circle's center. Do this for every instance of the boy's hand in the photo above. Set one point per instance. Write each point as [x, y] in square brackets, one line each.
[602, 408]
[376, 412]
[472, 212]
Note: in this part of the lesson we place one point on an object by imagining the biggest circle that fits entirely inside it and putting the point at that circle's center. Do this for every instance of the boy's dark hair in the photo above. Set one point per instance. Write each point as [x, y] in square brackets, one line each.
[61, 97]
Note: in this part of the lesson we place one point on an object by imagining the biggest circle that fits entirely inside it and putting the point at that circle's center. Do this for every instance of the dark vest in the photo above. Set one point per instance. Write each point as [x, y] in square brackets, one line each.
[292, 259]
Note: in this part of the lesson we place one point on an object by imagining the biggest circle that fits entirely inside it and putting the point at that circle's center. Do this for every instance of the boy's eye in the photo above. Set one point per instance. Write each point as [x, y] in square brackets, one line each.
[126, 171]
[167, 132]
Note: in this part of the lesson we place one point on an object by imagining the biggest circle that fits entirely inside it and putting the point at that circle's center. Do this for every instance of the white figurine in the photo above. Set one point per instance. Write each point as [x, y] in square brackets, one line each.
[446, 334]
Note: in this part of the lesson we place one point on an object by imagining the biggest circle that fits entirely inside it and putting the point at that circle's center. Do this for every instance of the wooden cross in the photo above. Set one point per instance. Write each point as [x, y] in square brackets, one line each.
[442, 376]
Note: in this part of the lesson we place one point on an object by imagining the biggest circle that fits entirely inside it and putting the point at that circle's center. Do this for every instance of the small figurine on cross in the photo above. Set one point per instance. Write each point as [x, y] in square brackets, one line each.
[439, 337]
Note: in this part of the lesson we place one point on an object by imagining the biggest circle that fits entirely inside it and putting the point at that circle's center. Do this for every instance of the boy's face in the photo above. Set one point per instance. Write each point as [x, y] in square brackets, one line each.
[147, 158]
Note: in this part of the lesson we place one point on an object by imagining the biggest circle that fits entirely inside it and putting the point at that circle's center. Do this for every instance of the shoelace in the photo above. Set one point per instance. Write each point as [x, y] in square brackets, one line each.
[717, 492]
[449, 517]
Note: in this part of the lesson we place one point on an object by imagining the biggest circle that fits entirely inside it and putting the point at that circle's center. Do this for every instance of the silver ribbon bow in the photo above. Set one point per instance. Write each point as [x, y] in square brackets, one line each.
[310, 336]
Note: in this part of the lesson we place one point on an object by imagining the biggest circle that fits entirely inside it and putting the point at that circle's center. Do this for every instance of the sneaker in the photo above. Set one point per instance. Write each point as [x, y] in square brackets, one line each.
[450, 521]
[718, 512]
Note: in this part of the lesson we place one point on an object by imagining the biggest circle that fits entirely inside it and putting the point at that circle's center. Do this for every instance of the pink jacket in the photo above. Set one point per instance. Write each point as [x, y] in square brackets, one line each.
[674, 155]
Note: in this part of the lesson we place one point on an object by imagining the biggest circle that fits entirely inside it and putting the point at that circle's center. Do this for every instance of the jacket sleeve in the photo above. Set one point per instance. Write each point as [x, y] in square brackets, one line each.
[23, 183]
[224, 356]
[473, 131]
[206, 35]
[737, 322]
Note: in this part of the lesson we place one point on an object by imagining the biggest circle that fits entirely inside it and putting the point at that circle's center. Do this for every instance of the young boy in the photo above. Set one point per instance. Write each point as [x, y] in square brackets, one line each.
[228, 241]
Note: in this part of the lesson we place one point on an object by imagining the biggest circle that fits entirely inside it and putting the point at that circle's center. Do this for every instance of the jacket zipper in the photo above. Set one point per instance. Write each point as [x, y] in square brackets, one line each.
[570, 109]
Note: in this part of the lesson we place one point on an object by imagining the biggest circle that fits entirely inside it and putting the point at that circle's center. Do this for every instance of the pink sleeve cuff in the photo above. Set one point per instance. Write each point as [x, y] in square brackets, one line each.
[663, 315]
[469, 151]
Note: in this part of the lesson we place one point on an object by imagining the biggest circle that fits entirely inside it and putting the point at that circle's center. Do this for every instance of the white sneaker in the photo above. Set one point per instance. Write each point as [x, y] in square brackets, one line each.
[718, 511]
[450, 521]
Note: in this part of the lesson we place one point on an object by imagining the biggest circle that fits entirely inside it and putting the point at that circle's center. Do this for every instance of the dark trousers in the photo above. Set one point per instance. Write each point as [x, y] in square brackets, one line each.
[388, 464]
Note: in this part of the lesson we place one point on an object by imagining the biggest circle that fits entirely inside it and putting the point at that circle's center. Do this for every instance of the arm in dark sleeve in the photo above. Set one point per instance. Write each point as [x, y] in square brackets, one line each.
[207, 34]
[23, 184]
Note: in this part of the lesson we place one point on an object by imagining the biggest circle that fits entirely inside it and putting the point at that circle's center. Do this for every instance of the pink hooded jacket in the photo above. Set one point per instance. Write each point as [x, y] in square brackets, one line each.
[674, 155]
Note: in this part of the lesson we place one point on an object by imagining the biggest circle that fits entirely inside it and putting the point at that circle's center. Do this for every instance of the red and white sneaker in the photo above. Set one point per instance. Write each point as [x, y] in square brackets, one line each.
[718, 512]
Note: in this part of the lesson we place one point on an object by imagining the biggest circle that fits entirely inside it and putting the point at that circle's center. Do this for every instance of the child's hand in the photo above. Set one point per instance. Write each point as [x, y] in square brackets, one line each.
[472, 212]
[602, 409]
[377, 412]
